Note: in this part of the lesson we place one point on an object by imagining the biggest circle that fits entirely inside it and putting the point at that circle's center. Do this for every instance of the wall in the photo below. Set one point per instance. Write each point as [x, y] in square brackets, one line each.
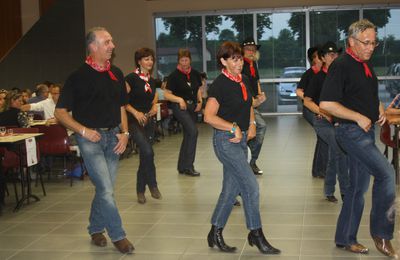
[50, 50]
[130, 22]
[29, 14]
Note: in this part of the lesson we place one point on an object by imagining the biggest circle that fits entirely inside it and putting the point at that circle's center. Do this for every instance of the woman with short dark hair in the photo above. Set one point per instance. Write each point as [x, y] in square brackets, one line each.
[229, 110]
[12, 114]
[185, 97]
[142, 107]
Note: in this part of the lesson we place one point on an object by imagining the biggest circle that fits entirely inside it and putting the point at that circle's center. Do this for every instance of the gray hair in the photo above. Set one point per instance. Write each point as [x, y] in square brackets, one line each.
[360, 26]
[91, 36]
[41, 89]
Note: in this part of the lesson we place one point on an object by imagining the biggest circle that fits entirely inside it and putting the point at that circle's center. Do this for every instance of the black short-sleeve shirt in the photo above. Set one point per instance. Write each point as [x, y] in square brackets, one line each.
[347, 84]
[306, 79]
[138, 97]
[178, 84]
[314, 88]
[93, 97]
[252, 80]
[232, 106]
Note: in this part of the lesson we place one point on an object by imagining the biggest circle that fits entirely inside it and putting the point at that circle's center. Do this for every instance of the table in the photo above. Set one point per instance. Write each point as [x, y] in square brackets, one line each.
[18, 139]
[394, 119]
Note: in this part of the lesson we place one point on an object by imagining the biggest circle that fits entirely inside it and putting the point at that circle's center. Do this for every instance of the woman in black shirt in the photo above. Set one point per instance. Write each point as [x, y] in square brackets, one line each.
[185, 95]
[142, 107]
[12, 114]
[229, 110]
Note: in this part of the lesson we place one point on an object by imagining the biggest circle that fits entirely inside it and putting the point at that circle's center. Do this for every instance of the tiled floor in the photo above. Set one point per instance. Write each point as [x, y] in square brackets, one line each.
[295, 215]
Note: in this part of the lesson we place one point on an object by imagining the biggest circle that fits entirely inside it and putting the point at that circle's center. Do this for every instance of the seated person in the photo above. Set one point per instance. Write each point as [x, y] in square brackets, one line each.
[12, 115]
[46, 106]
[3, 94]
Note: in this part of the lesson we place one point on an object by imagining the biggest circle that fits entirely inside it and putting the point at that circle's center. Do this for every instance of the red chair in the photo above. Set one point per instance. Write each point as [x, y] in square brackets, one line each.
[386, 139]
[55, 142]
[20, 130]
[10, 162]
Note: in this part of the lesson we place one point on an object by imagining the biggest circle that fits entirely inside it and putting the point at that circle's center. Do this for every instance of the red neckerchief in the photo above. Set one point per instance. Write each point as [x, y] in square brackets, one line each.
[187, 73]
[325, 69]
[252, 69]
[366, 69]
[145, 78]
[89, 60]
[237, 79]
[315, 69]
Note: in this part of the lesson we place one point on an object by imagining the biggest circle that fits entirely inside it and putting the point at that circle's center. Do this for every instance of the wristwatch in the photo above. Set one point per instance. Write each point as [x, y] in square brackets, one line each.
[253, 122]
[126, 133]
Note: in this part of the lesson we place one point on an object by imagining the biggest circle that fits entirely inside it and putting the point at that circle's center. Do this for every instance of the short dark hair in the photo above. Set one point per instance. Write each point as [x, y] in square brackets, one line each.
[184, 53]
[227, 50]
[142, 53]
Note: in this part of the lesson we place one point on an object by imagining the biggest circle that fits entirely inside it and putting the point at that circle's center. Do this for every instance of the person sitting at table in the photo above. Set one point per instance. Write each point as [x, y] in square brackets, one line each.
[26, 95]
[394, 106]
[3, 94]
[46, 106]
[12, 114]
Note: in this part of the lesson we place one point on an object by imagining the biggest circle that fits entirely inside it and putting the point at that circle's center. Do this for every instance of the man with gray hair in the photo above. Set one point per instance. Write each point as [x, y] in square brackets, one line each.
[96, 95]
[350, 94]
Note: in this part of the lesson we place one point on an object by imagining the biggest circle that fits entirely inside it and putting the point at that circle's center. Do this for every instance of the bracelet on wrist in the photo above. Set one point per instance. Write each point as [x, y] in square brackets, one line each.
[233, 129]
[83, 131]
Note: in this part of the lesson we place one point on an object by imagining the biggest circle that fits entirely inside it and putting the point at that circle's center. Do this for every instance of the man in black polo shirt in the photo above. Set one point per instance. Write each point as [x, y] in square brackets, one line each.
[95, 94]
[250, 69]
[350, 94]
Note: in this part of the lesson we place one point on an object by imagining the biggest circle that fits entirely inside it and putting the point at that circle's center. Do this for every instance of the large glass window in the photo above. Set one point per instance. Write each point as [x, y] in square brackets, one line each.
[387, 53]
[282, 36]
[282, 39]
[220, 28]
[331, 26]
[173, 33]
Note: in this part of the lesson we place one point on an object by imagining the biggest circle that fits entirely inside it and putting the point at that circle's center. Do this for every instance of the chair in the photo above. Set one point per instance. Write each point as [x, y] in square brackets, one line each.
[55, 142]
[9, 162]
[20, 130]
[386, 139]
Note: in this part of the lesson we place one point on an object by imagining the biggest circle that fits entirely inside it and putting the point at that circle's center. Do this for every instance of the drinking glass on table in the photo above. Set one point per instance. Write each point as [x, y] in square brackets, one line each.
[2, 130]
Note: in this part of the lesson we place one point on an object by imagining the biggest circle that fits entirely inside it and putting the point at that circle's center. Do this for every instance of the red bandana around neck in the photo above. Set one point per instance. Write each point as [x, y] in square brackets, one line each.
[325, 69]
[315, 69]
[237, 79]
[366, 68]
[145, 78]
[252, 69]
[187, 72]
[89, 60]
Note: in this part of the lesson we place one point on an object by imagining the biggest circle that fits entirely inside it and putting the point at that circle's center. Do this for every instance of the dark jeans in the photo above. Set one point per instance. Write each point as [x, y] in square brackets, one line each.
[365, 159]
[146, 174]
[238, 179]
[337, 160]
[256, 143]
[187, 153]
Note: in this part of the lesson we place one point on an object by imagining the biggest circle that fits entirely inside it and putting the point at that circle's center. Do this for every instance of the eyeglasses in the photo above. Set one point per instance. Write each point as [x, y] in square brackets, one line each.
[367, 43]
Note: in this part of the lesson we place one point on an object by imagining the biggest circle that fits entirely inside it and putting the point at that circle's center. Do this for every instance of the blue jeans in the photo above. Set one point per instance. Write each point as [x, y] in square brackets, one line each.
[238, 179]
[146, 174]
[187, 152]
[101, 163]
[365, 160]
[337, 160]
[256, 143]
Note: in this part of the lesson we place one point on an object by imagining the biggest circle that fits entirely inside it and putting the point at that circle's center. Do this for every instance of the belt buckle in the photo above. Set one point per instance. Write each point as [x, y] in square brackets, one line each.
[189, 102]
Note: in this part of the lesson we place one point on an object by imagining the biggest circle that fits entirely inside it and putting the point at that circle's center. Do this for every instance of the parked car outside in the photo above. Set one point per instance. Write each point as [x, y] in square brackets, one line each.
[287, 90]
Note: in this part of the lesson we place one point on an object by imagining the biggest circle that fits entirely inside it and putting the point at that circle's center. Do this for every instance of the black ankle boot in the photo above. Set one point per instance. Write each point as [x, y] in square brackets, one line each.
[256, 237]
[215, 238]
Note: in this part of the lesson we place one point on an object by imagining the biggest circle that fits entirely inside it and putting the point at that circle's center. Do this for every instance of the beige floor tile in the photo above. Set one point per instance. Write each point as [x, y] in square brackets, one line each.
[295, 215]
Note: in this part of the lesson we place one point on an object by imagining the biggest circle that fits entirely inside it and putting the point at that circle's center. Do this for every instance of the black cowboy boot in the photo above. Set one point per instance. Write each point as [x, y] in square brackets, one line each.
[256, 237]
[215, 238]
